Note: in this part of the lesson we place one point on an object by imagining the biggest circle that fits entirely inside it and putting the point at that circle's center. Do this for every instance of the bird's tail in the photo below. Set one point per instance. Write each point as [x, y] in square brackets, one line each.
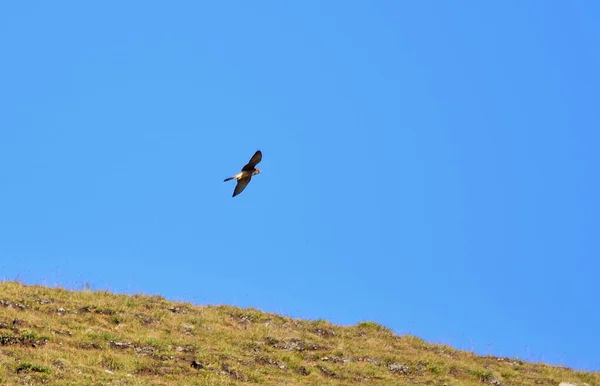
[228, 179]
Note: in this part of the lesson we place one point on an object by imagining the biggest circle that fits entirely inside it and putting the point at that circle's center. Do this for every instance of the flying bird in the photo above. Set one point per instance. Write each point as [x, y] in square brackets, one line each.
[244, 177]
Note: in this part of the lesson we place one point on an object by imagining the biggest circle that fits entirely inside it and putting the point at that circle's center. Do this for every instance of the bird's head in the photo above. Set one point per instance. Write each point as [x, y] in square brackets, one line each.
[256, 171]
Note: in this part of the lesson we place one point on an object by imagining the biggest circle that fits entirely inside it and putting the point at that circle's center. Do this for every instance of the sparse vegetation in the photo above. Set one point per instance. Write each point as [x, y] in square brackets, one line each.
[57, 337]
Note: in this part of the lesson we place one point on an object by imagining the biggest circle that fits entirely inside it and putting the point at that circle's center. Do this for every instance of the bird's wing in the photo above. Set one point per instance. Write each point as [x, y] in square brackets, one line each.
[241, 185]
[253, 161]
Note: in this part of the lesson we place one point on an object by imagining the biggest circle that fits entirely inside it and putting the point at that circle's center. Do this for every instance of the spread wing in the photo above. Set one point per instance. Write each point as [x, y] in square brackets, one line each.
[253, 161]
[241, 185]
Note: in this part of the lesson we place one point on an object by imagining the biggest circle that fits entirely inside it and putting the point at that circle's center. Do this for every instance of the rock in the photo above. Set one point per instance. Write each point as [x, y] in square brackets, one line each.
[188, 329]
[293, 344]
[147, 350]
[114, 344]
[233, 373]
[336, 359]
[59, 364]
[325, 333]
[399, 368]
[62, 332]
[269, 361]
[327, 372]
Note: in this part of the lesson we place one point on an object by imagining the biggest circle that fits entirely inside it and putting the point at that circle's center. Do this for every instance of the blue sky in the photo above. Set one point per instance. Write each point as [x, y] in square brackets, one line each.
[430, 166]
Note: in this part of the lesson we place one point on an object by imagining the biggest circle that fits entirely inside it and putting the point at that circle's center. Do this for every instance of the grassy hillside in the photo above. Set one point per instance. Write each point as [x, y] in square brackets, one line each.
[58, 337]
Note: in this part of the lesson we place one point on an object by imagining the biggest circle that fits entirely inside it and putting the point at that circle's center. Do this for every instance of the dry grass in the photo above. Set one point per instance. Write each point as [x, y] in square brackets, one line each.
[58, 337]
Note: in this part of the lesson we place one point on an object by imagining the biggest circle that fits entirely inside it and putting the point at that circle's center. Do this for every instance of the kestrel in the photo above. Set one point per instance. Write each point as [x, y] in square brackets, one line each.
[244, 177]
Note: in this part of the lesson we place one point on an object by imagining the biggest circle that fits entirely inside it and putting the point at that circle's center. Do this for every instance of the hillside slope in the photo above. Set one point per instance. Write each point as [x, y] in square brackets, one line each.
[57, 337]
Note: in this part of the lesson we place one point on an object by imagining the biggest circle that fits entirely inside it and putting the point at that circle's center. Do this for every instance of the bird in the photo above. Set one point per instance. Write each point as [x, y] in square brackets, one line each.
[244, 177]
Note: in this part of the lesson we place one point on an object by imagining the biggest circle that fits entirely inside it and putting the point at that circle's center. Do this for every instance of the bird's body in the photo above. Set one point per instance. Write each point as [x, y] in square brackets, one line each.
[244, 177]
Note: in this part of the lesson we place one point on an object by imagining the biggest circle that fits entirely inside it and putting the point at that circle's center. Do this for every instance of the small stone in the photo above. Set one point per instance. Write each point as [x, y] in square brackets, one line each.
[188, 328]
[572, 384]
[327, 372]
[59, 364]
[398, 368]
[120, 344]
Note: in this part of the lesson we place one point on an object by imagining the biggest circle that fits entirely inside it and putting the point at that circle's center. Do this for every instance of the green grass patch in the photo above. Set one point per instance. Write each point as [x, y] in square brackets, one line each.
[102, 338]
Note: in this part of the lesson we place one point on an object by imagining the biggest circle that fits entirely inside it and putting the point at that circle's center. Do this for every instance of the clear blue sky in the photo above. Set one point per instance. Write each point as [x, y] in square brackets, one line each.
[430, 166]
